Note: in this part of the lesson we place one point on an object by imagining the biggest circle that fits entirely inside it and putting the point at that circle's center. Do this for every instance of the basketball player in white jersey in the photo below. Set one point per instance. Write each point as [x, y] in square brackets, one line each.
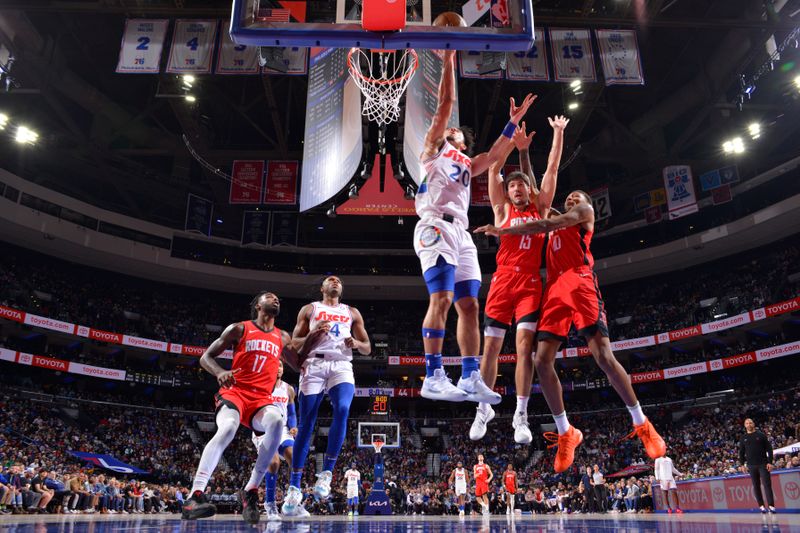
[459, 480]
[352, 480]
[328, 369]
[283, 396]
[444, 246]
[665, 471]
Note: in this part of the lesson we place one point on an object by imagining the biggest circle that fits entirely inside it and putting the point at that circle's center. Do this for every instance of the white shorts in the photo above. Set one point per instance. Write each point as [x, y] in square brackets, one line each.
[352, 494]
[461, 489]
[434, 238]
[318, 375]
[668, 484]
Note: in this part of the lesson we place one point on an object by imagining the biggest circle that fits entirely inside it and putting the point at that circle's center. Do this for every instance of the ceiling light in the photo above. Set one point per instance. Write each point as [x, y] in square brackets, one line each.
[188, 79]
[26, 135]
[797, 81]
[190, 98]
[573, 105]
[575, 84]
[3, 120]
[755, 130]
[332, 211]
[738, 145]
[353, 194]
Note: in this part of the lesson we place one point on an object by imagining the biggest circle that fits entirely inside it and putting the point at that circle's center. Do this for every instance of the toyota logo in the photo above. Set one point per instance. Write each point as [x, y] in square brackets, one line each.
[719, 494]
[792, 490]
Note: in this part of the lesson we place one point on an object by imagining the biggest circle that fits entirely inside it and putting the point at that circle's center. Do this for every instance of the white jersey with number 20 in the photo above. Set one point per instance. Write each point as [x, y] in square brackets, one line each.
[446, 187]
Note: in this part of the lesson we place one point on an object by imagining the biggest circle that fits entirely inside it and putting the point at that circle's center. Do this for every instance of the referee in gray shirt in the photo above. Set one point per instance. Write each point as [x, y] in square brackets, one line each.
[755, 454]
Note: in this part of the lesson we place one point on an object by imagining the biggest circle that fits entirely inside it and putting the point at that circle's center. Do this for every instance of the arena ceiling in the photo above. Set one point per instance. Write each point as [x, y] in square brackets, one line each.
[110, 140]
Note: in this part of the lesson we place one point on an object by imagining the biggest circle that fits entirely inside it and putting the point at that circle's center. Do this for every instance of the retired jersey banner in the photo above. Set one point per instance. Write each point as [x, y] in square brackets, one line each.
[601, 202]
[255, 227]
[235, 58]
[681, 199]
[198, 214]
[530, 65]
[573, 58]
[294, 61]
[619, 55]
[247, 183]
[281, 187]
[470, 64]
[192, 46]
[142, 43]
[479, 195]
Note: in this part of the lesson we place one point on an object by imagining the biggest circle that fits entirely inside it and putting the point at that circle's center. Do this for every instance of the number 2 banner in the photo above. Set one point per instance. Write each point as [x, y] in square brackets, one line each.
[192, 46]
[142, 43]
[573, 58]
[530, 65]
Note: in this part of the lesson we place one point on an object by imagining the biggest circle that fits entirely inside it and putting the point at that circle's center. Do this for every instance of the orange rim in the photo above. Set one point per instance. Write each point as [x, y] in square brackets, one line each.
[367, 79]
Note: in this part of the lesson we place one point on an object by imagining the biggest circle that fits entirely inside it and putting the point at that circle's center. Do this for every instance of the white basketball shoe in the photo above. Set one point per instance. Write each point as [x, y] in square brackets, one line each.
[440, 387]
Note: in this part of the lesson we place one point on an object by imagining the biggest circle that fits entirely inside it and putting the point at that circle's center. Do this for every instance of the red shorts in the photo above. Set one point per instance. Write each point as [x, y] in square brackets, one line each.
[481, 488]
[573, 298]
[247, 402]
[511, 489]
[513, 296]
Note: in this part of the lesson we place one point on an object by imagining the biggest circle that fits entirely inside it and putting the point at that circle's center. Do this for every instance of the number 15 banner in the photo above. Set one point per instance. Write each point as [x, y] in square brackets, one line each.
[192, 46]
[573, 58]
[142, 43]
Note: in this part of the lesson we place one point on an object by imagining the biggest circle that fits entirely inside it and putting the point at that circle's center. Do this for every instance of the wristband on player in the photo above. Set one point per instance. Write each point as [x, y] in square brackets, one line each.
[509, 130]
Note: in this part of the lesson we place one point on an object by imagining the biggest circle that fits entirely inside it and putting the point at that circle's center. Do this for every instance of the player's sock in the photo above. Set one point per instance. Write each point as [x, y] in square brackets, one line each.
[227, 424]
[484, 407]
[522, 404]
[562, 423]
[296, 478]
[271, 483]
[637, 414]
[341, 397]
[469, 364]
[432, 362]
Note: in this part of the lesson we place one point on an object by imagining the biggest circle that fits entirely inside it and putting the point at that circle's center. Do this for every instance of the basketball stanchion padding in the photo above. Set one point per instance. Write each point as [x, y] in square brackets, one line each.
[383, 15]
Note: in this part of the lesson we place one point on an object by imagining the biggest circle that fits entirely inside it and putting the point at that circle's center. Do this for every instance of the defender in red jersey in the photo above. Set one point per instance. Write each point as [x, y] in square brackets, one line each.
[573, 297]
[517, 288]
[510, 486]
[245, 397]
[483, 476]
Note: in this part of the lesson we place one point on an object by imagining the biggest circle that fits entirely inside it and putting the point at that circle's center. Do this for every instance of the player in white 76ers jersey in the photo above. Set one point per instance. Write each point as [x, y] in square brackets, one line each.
[353, 479]
[444, 246]
[459, 479]
[328, 369]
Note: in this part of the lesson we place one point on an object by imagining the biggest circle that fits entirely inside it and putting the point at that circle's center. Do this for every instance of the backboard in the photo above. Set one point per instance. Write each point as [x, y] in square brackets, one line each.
[495, 25]
[387, 432]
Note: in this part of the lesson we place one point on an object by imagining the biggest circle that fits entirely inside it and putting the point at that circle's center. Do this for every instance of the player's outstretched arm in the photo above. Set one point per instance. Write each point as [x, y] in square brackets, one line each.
[360, 340]
[522, 141]
[550, 178]
[229, 337]
[577, 215]
[497, 191]
[447, 99]
[481, 162]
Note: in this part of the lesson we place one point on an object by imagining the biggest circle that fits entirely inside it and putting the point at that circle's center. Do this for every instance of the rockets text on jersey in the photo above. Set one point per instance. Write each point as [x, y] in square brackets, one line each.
[481, 472]
[510, 478]
[341, 320]
[446, 187]
[521, 252]
[568, 248]
[257, 354]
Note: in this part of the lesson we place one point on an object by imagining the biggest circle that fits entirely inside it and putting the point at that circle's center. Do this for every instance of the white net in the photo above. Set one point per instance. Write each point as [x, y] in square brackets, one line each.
[382, 76]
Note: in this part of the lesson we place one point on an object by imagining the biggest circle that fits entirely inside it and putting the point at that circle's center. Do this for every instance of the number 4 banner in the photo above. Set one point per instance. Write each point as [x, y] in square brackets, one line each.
[573, 58]
[142, 43]
[192, 46]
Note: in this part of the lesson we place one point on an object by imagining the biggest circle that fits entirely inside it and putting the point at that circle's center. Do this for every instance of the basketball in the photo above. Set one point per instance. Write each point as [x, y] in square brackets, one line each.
[450, 18]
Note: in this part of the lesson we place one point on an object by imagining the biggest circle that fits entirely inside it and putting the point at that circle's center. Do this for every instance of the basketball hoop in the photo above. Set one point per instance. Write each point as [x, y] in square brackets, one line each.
[378, 444]
[382, 76]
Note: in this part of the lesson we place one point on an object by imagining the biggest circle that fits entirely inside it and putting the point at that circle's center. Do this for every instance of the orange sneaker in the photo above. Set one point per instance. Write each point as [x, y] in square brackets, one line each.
[654, 445]
[566, 444]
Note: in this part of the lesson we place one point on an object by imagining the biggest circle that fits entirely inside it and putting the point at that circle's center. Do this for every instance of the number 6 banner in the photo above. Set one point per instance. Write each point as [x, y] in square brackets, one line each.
[142, 43]
[573, 58]
[236, 59]
[192, 46]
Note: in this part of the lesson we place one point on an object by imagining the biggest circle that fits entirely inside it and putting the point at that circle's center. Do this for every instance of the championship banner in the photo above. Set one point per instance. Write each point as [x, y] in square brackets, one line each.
[235, 58]
[293, 60]
[192, 46]
[198, 214]
[573, 58]
[619, 55]
[530, 65]
[108, 462]
[247, 182]
[653, 215]
[681, 199]
[471, 62]
[479, 195]
[601, 202]
[142, 43]
[281, 187]
[255, 225]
